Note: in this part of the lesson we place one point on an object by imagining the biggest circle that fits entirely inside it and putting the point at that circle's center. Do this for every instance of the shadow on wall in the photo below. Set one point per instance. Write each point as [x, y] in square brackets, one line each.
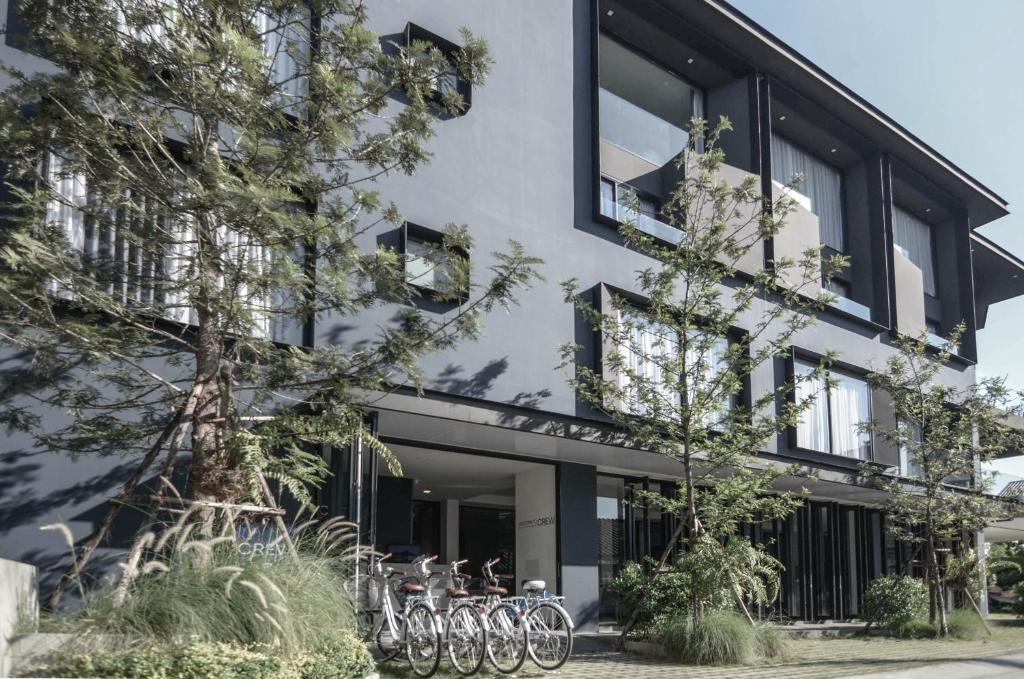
[477, 385]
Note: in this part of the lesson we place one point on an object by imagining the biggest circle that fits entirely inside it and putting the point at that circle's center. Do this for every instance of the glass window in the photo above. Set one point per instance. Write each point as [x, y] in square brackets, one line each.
[822, 186]
[651, 346]
[423, 267]
[830, 424]
[914, 238]
[909, 466]
[644, 109]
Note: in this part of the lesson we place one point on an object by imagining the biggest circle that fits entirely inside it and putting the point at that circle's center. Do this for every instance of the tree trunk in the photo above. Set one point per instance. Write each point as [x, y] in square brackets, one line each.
[940, 594]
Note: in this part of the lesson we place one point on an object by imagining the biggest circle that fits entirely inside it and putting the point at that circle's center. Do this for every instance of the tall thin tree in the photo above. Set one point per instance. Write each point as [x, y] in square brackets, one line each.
[190, 187]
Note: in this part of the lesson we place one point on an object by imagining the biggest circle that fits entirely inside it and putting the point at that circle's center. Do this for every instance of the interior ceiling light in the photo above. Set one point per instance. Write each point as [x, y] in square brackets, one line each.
[690, 60]
[426, 491]
[832, 150]
[611, 12]
[782, 117]
[927, 209]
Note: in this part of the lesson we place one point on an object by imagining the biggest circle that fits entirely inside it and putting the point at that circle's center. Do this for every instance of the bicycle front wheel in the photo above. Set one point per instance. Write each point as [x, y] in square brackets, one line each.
[422, 640]
[386, 643]
[466, 637]
[507, 638]
[550, 635]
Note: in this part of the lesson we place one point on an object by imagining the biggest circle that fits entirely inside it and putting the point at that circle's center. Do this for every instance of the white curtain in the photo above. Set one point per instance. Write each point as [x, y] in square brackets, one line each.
[286, 46]
[909, 466]
[812, 429]
[714, 363]
[822, 184]
[914, 237]
[648, 345]
[849, 406]
[64, 209]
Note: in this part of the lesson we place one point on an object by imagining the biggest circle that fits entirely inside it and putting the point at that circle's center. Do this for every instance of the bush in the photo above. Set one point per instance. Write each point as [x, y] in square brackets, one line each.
[892, 602]
[721, 638]
[345, 657]
[770, 642]
[341, 658]
[655, 602]
[965, 624]
[194, 660]
[224, 590]
[917, 628]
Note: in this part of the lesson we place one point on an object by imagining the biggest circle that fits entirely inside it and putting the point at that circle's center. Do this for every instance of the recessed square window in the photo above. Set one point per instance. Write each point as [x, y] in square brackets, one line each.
[428, 266]
[445, 79]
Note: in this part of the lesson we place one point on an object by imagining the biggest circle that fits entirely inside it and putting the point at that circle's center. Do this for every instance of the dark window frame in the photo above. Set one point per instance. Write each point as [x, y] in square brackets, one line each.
[414, 32]
[418, 232]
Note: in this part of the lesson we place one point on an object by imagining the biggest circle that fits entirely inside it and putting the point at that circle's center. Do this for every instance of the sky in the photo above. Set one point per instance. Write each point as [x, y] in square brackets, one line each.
[950, 71]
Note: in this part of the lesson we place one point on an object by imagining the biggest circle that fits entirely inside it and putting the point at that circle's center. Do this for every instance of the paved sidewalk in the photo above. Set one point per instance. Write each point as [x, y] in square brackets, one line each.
[1002, 667]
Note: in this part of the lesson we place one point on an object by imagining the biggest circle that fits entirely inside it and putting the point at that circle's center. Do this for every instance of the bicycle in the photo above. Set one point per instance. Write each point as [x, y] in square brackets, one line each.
[465, 628]
[415, 630]
[509, 631]
[549, 623]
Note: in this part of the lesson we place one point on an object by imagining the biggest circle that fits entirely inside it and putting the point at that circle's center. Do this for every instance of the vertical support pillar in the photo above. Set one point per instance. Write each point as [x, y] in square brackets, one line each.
[577, 543]
[451, 530]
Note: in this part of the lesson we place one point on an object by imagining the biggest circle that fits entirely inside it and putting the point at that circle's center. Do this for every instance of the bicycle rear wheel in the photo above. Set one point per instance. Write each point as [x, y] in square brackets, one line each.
[550, 635]
[507, 638]
[466, 637]
[422, 640]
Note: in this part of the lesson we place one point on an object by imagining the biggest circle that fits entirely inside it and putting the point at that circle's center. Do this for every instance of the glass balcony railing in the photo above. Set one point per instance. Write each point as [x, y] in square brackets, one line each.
[940, 342]
[851, 307]
[646, 223]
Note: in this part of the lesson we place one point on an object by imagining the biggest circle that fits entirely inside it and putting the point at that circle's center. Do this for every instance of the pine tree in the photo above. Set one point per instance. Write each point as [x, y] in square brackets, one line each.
[674, 366]
[190, 187]
[945, 433]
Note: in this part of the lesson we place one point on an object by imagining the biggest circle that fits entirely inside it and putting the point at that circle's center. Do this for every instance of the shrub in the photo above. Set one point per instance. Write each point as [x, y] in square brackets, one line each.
[965, 624]
[770, 642]
[1018, 603]
[918, 628]
[224, 590]
[655, 602]
[721, 638]
[893, 601]
[193, 660]
[341, 658]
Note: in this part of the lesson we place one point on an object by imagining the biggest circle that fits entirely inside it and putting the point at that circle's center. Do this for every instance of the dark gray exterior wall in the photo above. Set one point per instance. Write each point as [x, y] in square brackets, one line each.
[518, 165]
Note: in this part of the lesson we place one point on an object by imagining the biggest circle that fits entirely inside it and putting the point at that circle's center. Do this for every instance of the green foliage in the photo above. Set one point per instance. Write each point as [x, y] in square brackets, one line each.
[1018, 604]
[344, 657]
[770, 642]
[193, 660]
[687, 409]
[720, 638]
[1005, 562]
[945, 431]
[719, 574]
[266, 175]
[894, 601]
[965, 624]
[918, 628]
[653, 602]
[194, 584]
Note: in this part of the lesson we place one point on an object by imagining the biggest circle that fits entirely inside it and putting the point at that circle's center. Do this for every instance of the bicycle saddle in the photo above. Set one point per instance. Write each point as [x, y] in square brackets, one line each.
[534, 585]
[490, 589]
[411, 587]
[456, 593]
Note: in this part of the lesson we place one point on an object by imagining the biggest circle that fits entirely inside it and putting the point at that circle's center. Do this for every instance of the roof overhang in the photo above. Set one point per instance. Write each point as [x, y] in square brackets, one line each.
[998, 275]
[757, 46]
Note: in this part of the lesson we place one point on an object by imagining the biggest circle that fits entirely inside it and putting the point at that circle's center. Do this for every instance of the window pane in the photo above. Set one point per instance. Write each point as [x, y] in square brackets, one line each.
[812, 429]
[909, 466]
[644, 109]
[849, 405]
[823, 185]
[714, 363]
[422, 268]
[649, 346]
[914, 237]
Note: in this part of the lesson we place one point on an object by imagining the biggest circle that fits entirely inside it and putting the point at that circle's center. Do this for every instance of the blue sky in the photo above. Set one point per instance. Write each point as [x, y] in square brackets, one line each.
[950, 72]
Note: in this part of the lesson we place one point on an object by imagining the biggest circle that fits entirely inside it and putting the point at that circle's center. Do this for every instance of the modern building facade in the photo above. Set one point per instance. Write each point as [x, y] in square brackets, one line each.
[588, 100]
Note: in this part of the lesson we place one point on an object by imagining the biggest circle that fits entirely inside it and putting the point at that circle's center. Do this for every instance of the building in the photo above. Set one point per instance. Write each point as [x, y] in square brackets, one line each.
[587, 97]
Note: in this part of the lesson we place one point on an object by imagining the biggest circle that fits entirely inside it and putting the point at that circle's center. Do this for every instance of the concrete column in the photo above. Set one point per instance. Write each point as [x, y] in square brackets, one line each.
[577, 531]
[536, 535]
[451, 530]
